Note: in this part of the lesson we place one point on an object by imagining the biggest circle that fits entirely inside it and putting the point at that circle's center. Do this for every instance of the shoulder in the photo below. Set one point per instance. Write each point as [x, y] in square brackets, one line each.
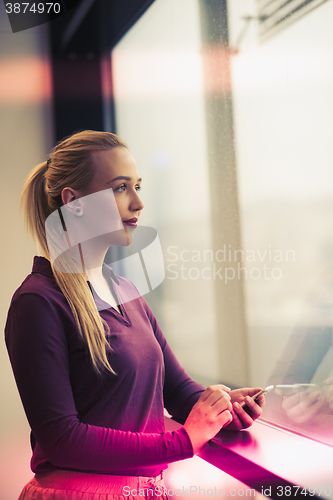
[41, 284]
[38, 296]
[39, 316]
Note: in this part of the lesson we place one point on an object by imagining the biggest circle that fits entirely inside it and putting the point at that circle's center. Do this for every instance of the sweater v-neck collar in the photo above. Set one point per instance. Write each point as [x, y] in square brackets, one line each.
[41, 265]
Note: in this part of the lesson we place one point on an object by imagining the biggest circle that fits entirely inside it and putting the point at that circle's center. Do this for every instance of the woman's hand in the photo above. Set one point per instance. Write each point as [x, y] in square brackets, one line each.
[207, 417]
[240, 418]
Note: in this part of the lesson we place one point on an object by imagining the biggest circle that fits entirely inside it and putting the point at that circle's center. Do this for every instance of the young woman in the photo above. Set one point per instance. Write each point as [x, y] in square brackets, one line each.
[93, 368]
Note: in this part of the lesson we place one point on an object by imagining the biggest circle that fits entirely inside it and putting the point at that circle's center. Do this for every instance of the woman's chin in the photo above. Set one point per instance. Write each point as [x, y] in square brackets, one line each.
[123, 238]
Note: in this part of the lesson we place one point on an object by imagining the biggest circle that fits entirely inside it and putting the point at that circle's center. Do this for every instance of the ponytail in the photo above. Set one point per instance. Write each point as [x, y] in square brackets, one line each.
[35, 205]
[70, 164]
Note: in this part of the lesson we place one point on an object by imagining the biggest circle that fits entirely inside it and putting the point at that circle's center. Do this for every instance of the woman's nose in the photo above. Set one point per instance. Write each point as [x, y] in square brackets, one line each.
[137, 203]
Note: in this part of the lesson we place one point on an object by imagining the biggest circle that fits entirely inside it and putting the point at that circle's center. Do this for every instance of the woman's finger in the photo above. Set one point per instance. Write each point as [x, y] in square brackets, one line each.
[255, 409]
[222, 405]
[261, 401]
[218, 396]
[215, 392]
[245, 419]
[237, 423]
[225, 388]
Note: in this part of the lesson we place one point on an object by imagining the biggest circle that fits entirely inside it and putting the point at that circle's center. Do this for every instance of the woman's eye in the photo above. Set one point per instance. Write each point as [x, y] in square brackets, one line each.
[123, 188]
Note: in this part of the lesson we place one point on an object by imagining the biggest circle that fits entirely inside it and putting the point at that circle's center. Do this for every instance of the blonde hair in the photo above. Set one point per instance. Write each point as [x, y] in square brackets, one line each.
[71, 164]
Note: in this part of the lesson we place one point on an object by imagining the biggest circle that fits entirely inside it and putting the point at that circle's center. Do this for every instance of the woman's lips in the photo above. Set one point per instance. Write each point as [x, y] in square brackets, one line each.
[131, 222]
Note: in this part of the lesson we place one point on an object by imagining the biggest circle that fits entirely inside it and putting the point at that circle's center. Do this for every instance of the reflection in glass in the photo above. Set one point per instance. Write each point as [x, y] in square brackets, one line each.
[283, 108]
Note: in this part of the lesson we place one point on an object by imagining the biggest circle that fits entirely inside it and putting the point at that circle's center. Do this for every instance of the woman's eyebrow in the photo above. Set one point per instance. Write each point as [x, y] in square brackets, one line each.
[123, 177]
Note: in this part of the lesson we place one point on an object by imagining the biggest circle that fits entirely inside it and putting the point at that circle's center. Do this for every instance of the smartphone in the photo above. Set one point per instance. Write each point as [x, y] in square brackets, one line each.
[256, 396]
[290, 389]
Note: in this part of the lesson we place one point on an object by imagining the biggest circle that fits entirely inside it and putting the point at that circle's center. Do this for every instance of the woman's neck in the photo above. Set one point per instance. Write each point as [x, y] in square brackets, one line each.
[92, 258]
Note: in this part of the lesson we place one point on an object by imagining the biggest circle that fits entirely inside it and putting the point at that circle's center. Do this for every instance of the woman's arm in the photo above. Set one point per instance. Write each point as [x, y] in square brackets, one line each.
[181, 393]
[38, 351]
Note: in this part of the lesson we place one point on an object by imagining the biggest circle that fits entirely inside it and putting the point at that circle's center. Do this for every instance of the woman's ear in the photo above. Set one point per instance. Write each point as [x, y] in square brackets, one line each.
[68, 195]
[71, 199]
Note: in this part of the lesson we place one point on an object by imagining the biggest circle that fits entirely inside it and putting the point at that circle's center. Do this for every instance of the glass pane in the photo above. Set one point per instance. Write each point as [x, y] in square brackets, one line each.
[159, 103]
[283, 108]
[230, 123]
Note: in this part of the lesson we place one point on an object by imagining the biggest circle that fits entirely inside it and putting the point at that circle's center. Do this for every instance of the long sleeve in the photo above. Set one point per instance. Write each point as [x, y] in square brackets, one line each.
[180, 391]
[39, 351]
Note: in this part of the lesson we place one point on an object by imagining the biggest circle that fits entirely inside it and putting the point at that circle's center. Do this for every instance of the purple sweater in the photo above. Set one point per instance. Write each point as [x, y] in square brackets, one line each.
[83, 422]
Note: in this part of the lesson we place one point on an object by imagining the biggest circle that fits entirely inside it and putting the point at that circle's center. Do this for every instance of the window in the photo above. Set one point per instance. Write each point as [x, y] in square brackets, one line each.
[283, 108]
[159, 107]
[230, 123]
